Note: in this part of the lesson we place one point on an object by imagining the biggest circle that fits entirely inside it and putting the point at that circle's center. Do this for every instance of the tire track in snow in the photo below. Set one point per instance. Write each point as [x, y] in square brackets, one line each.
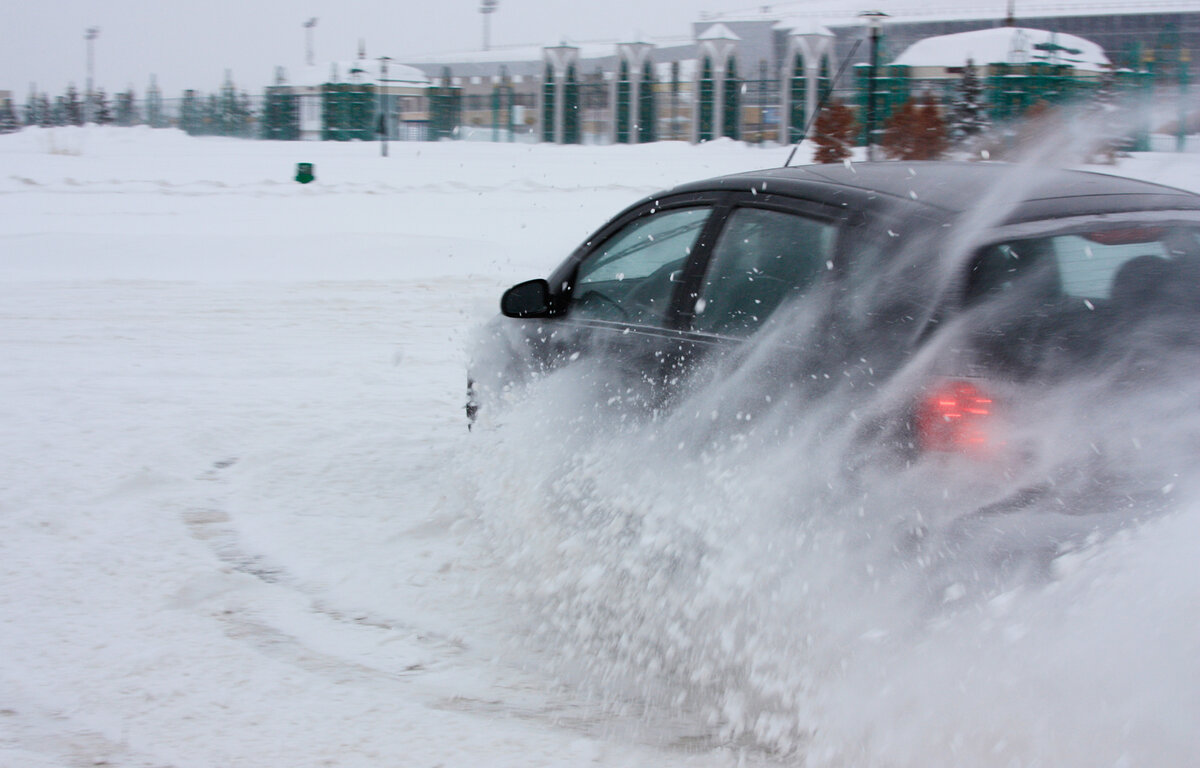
[498, 690]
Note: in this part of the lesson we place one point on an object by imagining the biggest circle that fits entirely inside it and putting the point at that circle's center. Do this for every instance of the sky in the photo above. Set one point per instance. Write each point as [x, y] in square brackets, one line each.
[190, 44]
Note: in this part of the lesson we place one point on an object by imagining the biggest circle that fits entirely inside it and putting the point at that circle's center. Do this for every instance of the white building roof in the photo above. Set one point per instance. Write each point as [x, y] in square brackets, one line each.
[1005, 45]
[718, 32]
[843, 13]
[365, 71]
[803, 25]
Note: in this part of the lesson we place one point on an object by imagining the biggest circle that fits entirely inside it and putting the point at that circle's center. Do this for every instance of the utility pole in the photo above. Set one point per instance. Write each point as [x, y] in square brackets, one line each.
[383, 111]
[487, 8]
[90, 35]
[308, 50]
[875, 20]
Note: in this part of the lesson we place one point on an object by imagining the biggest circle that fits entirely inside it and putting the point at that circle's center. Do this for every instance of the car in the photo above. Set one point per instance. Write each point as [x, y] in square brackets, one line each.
[960, 287]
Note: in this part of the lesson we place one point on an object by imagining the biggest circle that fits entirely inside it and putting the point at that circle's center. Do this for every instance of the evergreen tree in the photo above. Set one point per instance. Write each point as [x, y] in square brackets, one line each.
[46, 111]
[281, 117]
[101, 111]
[72, 107]
[228, 119]
[126, 109]
[154, 107]
[212, 116]
[1038, 124]
[1106, 118]
[59, 114]
[899, 132]
[33, 108]
[8, 118]
[191, 113]
[245, 115]
[834, 133]
[915, 131]
[969, 120]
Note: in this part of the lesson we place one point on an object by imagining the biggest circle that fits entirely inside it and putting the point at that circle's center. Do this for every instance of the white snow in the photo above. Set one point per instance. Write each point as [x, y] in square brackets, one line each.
[366, 71]
[1004, 45]
[240, 514]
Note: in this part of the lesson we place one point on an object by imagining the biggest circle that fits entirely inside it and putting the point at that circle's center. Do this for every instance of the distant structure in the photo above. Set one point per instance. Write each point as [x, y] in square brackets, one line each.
[758, 77]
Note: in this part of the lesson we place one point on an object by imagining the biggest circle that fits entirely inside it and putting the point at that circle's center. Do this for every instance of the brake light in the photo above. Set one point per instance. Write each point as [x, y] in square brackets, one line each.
[953, 417]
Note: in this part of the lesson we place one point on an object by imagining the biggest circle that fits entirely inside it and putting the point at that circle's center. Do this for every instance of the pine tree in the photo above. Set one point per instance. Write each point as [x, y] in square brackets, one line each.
[191, 113]
[101, 111]
[46, 116]
[932, 138]
[1039, 123]
[916, 131]
[212, 116]
[280, 116]
[245, 115]
[72, 107]
[58, 112]
[126, 109]
[1106, 117]
[833, 132]
[8, 118]
[228, 121]
[154, 110]
[33, 108]
[899, 132]
[969, 120]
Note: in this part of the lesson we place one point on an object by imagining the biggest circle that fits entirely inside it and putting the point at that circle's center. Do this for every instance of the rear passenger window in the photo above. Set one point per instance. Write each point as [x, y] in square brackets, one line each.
[762, 259]
[1093, 266]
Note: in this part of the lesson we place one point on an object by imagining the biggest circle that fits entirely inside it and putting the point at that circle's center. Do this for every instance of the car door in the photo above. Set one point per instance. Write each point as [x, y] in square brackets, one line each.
[619, 298]
[770, 253]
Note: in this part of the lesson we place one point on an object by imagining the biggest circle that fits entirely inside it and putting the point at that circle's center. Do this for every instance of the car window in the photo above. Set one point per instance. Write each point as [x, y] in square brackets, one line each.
[632, 276]
[1093, 266]
[1072, 296]
[761, 259]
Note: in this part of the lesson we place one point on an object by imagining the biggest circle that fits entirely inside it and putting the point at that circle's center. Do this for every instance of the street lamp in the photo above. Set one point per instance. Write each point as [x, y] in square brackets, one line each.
[487, 8]
[90, 34]
[874, 20]
[308, 40]
[383, 111]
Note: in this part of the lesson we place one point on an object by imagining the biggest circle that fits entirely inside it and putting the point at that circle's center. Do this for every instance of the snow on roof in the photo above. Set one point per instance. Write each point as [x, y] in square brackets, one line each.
[797, 25]
[718, 32]
[1004, 45]
[843, 13]
[365, 71]
[524, 53]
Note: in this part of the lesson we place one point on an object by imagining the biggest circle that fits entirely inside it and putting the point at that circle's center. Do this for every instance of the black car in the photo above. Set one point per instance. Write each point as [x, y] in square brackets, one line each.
[993, 277]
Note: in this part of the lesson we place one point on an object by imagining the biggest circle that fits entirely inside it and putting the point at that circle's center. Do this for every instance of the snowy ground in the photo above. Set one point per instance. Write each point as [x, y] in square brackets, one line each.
[242, 522]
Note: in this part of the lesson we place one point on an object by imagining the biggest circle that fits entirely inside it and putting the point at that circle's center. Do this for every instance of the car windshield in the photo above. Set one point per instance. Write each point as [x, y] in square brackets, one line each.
[1074, 294]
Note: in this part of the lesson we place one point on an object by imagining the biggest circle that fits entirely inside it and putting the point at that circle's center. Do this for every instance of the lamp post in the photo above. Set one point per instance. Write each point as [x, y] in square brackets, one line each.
[308, 40]
[487, 8]
[90, 35]
[874, 20]
[383, 111]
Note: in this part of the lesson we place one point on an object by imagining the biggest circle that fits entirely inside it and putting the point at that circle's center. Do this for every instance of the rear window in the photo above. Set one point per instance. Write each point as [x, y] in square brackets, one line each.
[1094, 266]
[1044, 304]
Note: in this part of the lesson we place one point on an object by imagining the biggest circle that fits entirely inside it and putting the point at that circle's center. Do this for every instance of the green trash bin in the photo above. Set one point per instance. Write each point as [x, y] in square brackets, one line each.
[304, 172]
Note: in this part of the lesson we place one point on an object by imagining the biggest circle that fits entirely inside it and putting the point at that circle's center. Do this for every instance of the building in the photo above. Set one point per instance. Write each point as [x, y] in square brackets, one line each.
[757, 77]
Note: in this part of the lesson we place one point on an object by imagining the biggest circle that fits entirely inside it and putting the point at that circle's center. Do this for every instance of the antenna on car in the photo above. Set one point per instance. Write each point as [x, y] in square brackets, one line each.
[821, 102]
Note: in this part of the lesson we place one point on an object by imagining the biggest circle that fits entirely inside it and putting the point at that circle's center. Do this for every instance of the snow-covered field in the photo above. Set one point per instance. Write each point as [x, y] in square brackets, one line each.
[242, 522]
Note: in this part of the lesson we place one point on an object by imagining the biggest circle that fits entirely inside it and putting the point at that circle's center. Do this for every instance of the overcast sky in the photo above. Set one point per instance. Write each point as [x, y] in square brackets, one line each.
[190, 44]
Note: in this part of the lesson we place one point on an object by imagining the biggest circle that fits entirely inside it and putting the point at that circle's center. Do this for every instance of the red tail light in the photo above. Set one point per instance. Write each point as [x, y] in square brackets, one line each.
[953, 417]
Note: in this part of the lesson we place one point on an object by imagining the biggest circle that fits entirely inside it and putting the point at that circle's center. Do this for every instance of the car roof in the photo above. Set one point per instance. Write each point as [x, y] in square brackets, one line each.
[956, 187]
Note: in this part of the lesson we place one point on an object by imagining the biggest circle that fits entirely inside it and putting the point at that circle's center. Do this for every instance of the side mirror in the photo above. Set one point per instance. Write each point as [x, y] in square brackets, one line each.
[528, 299]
